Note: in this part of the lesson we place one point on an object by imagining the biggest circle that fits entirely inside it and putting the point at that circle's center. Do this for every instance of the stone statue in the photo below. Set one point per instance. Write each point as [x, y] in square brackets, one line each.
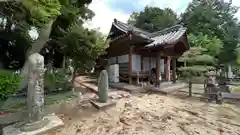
[103, 86]
[35, 124]
[35, 94]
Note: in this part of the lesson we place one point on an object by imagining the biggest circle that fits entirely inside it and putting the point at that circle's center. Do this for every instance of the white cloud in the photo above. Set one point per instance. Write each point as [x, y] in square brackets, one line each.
[104, 16]
[237, 3]
[173, 4]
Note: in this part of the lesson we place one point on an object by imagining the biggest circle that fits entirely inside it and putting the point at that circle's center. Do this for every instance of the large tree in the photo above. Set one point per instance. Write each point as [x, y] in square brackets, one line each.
[82, 46]
[50, 17]
[213, 45]
[153, 19]
[214, 18]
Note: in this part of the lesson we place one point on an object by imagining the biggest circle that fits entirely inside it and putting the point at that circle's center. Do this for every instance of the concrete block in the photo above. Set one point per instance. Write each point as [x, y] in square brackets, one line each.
[53, 123]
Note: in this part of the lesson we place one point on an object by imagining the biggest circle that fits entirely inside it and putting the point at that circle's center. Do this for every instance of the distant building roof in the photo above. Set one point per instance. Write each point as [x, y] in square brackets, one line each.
[165, 36]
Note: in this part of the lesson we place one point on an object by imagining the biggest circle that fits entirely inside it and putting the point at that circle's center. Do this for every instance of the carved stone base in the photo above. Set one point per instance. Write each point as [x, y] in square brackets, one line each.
[34, 125]
[48, 123]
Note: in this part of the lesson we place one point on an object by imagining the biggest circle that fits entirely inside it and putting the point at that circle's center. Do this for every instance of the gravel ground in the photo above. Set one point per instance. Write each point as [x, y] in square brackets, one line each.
[152, 114]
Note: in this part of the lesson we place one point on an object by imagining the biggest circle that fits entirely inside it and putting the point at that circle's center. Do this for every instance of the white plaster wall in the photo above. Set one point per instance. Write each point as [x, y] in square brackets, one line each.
[113, 73]
[153, 62]
[136, 62]
[146, 64]
[123, 58]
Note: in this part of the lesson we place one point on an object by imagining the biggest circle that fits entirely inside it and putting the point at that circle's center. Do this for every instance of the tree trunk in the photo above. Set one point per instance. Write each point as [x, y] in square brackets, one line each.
[64, 62]
[190, 88]
[44, 34]
[73, 79]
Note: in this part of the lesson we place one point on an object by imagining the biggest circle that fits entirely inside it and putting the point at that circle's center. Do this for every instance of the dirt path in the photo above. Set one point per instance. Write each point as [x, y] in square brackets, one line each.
[151, 114]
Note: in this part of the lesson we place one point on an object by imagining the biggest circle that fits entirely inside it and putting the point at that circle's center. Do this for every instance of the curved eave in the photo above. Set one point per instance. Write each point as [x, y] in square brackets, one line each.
[127, 30]
[168, 38]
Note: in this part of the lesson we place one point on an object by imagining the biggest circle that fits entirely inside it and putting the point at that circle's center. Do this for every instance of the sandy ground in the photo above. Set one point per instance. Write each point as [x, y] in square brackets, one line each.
[154, 114]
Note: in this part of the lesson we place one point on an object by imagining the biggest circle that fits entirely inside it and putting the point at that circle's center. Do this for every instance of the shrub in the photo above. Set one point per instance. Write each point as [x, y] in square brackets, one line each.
[58, 79]
[9, 82]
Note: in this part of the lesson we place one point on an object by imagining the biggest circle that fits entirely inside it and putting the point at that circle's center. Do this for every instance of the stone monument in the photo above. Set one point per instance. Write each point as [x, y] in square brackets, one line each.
[35, 123]
[103, 86]
[103, 100]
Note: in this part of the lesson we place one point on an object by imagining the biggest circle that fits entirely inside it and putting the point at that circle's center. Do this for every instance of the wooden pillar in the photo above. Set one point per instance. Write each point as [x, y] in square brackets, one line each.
[158, 69]
[150, 65]
[130, 64]
[167, 69]
[174, 69]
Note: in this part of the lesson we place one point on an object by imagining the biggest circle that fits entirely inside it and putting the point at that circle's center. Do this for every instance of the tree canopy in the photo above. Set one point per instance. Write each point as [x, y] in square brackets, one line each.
[83, 46]
[153, 19]
[52, 18]
[60, 28]
[214, 19]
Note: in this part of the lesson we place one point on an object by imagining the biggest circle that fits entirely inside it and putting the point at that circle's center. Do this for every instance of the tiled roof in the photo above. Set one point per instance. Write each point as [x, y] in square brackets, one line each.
[166, 36]
[126, 28]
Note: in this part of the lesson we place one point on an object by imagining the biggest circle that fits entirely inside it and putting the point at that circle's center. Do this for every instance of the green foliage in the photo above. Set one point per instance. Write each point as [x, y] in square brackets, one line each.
[153, 19]
[9, 82]
[83, 46]
[17, 104]
[56, 79]
[196, 63]
[197, 70]
[212, 44]
[201, 59]
[41, 11]
[71, 12]
[216, 20]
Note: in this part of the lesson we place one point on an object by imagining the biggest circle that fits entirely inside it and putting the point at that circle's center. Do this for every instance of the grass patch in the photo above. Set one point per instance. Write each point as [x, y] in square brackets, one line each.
[17, 104]
[236, 89]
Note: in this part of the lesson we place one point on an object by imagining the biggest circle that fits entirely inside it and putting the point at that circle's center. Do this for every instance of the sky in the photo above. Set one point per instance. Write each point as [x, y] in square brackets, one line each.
[107, 10]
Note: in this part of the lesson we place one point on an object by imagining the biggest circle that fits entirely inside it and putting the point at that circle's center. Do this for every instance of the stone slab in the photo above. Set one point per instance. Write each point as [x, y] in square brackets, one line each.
[127, 87]
[100, 105]
[54, 123]
[168, 88]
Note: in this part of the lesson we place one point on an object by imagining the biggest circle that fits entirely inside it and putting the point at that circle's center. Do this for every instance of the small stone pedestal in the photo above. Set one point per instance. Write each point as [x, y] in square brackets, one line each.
[100, 105]
[48, 123]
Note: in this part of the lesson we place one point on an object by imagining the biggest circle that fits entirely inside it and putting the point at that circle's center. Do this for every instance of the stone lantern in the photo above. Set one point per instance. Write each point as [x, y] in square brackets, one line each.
[211, 89]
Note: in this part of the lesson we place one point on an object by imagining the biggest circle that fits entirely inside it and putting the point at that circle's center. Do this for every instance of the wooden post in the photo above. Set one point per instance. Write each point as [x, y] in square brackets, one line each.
[174, 70]
[167, 69]
[158, 69]
[149, 76]
[190, 88]
[130, 64]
